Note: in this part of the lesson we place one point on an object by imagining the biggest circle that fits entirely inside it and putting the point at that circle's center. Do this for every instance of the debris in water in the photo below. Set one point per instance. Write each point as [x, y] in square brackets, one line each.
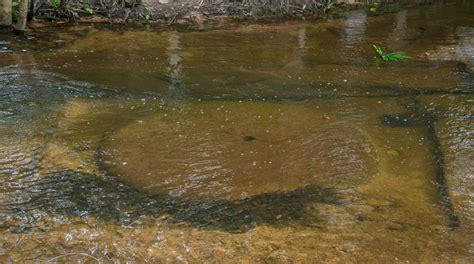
[248, 138]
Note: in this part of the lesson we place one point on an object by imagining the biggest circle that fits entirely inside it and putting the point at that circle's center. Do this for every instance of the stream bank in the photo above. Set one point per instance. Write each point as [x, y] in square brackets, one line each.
[197, 12]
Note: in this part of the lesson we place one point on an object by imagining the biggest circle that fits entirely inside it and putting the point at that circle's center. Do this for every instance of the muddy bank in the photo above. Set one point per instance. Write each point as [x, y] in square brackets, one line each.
[201, 11]
[173, 11]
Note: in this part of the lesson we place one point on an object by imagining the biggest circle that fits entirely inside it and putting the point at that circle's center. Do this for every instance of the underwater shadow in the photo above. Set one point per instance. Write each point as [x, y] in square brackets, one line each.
[71, 193]
[414, 117]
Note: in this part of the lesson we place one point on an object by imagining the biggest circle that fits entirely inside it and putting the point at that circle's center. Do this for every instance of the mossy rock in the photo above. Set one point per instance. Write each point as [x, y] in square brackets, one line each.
[234, 150]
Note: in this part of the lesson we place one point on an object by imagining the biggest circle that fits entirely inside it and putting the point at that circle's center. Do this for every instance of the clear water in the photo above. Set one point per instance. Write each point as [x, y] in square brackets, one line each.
[259, 143]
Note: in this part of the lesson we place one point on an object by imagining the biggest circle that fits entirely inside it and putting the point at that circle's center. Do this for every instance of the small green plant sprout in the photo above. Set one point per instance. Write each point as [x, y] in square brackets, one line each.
[147, 14]
[87, 7]
[393, 56]
[15, 9]
[55, 3]
[248, 13]
[327, 4]
[274, 10]
[171, 19]
[89, 10]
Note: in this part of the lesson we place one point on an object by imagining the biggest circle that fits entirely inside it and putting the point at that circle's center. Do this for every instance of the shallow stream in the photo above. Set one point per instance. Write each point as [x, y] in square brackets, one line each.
[285, 142]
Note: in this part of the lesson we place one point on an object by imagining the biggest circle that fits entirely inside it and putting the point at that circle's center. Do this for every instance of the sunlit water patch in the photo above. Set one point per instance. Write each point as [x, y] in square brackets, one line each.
[233, 150]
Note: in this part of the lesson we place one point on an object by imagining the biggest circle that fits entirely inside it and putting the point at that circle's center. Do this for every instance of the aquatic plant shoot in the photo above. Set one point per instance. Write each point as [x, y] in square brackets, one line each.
[392, 56]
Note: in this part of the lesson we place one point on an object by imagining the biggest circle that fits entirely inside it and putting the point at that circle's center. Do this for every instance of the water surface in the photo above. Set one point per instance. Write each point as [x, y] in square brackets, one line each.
[260, 143]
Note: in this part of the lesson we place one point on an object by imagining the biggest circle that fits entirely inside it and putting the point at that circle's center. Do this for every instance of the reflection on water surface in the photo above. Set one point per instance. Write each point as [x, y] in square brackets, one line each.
[271, 143]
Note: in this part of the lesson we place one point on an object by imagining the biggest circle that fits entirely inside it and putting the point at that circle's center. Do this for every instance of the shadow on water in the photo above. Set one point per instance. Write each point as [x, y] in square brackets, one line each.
[415, 117]
[71, 193]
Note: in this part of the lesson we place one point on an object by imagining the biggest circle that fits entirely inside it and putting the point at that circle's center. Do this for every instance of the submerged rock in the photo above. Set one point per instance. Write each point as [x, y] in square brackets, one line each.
[201, 151]
[58, 157]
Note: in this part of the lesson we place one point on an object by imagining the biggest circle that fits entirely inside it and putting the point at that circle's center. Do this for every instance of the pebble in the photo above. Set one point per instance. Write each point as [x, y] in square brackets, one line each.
[347, 248]
[393, 152]
[395, 226]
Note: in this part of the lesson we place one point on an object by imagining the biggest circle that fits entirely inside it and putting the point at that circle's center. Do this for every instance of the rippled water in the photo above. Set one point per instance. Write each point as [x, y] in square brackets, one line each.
[282, 142]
